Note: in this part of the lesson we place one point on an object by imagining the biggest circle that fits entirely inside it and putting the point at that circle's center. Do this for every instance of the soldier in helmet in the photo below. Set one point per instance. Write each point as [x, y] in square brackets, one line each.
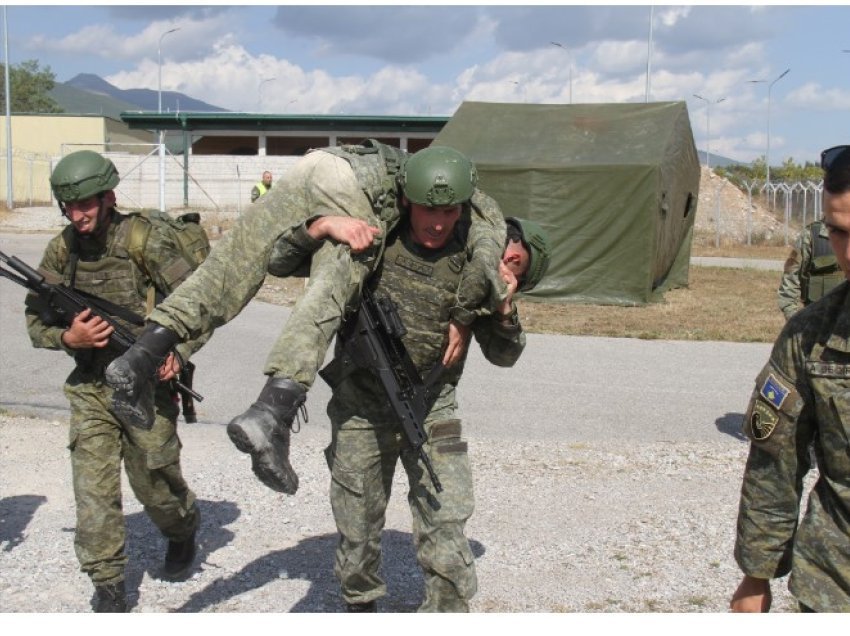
[91, 255]
[802, 400]
[372, 183]
[420, 272]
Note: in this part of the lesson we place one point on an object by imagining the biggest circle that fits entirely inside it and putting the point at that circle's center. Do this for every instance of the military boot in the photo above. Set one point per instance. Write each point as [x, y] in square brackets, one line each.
[179, 559]
[110, 598]
[133, 376]
[367, 607]
[264, 429]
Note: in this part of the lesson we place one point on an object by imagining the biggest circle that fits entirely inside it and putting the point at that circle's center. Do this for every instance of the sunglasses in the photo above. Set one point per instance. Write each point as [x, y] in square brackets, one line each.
[828, 156]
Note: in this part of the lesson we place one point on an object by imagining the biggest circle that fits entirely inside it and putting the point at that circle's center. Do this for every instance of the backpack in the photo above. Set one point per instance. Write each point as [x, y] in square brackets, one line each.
[186, 228]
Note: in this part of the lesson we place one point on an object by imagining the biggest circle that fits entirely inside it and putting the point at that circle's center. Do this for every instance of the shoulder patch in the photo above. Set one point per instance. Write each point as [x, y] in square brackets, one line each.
[762, 422]
[774, 391]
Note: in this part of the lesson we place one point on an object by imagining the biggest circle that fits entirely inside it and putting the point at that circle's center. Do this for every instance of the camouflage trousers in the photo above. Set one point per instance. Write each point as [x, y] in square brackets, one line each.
[362, 458]
[222, 286]
[98, 443]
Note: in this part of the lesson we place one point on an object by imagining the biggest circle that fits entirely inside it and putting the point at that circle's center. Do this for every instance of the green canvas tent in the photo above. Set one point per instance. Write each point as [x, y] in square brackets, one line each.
[615, 185]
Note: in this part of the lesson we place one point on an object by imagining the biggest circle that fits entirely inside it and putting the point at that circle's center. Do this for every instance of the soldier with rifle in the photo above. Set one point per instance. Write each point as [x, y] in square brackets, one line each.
[393, 399]
[90, 261]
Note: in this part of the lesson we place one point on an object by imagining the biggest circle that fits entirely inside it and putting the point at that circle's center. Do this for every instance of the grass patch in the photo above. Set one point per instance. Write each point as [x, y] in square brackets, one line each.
[731, 305]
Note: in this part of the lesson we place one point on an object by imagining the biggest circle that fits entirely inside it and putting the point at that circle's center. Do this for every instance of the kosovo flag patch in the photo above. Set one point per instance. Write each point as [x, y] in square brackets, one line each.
[774, 391]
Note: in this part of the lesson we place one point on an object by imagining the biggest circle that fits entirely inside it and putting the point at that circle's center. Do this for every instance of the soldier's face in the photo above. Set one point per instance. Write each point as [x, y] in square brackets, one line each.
[836, 216]
[86, 215]
[516, 258]
[433, 227]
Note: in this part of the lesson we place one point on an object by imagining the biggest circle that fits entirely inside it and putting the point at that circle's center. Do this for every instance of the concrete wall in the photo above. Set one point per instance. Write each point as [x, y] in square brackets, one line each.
[216, 182]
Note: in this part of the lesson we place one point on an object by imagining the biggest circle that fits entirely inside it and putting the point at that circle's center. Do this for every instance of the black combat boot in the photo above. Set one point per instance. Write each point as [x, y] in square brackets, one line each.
[263, 431]
[368, 607]
[133, 376]
[179, 559]
[110, 598]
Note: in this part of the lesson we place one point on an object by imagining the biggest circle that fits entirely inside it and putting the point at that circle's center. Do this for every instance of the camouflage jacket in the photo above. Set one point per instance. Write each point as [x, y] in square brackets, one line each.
[810, 270]
[105, 269]
[801, 400]
[424, 297]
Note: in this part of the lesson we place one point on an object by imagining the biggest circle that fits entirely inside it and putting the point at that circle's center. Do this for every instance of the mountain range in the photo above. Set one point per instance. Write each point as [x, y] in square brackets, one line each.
[89, 94]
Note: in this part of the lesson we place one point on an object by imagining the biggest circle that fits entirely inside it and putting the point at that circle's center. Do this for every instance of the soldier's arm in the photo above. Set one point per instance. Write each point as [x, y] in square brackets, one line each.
[291, 253]
[789, 294]
[481, 290]
[500, 333]
[42, 335]
[780, 423]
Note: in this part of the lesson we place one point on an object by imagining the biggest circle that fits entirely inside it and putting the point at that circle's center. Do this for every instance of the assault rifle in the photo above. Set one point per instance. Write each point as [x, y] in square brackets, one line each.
[372, 340]
[58, 304]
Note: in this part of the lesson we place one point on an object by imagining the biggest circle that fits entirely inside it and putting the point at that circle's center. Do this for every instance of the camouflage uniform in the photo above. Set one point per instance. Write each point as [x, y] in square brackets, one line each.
[367, 440]
[333, 181]
[801, 398]
[810, 270]
[98, 441]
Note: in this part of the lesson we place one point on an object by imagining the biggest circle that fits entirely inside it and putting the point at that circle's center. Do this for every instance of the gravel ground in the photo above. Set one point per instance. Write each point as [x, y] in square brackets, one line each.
[559, 526]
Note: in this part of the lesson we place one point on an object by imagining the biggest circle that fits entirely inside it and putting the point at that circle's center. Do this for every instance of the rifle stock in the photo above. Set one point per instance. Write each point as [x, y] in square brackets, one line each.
[63, 303]
[372, 340]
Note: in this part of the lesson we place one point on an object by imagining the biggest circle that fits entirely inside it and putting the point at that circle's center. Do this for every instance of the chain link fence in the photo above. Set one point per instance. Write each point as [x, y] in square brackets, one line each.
[759, 213]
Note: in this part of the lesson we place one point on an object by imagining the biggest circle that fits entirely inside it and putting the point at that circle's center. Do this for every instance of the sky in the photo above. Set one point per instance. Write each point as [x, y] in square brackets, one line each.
[426, 60]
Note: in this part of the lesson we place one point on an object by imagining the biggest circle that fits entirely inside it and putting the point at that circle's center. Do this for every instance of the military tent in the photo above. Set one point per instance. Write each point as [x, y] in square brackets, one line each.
[615, 186]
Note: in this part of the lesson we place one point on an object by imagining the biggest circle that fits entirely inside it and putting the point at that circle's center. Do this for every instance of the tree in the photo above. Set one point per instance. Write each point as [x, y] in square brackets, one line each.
[30, 88]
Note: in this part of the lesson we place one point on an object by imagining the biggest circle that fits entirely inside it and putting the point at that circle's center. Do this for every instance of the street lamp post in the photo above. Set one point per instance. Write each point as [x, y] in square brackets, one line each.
[708, 104]
[649, 55]
[562, 47]
[260, 93]
[159, 110]
[769, 89]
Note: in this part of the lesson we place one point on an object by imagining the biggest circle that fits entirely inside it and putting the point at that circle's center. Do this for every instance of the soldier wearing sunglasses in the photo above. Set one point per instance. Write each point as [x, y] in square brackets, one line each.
[802, 398]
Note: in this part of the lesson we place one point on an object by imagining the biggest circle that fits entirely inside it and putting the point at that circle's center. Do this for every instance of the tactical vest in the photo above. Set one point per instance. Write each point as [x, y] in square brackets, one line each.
[113, 276]
[822, 273]
[375, 165]
[424, 286]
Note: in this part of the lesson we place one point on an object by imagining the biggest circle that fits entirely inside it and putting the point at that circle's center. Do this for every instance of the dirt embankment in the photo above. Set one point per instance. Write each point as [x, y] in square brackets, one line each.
[725, 212]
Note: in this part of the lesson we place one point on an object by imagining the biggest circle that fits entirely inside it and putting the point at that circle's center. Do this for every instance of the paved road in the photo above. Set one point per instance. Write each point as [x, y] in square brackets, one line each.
[738, 263]
[563, 388]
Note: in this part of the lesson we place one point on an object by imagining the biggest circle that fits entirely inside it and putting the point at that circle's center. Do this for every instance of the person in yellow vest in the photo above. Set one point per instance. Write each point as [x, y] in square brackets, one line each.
[262, 186]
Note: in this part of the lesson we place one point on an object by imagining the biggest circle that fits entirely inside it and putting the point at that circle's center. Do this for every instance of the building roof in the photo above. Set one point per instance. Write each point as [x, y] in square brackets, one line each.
[294, 123]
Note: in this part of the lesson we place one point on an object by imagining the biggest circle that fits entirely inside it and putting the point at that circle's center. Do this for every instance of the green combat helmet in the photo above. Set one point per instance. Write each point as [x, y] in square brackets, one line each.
[81, 175]
[438, 176]
[535, 240]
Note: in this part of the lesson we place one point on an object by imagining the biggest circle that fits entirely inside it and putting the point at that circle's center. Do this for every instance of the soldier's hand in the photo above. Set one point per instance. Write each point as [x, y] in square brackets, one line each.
[170, 368]
[458, 342]
[511, 283]
[752, 595]
[356, 233]
[87, 331]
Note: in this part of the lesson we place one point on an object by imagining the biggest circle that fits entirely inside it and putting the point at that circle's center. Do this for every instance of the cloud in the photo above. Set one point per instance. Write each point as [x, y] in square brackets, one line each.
[394, 34]
[194, 39]
[813, 96]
